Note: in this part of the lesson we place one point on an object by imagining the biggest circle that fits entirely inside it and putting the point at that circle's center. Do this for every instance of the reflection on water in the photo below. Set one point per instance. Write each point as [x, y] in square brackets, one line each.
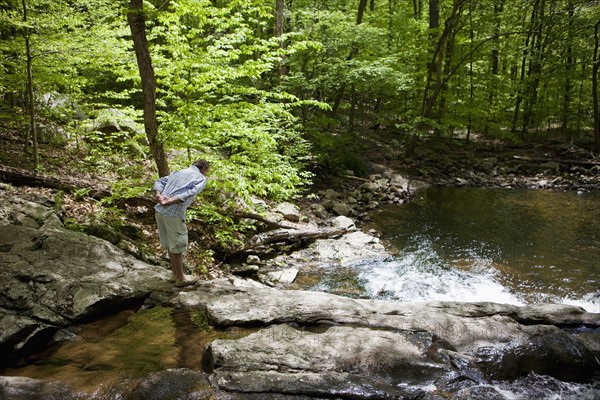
[118, 351]
[508, 246]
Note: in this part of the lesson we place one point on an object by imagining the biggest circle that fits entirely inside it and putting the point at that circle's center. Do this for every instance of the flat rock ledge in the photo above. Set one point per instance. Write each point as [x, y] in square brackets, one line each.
[320, 345]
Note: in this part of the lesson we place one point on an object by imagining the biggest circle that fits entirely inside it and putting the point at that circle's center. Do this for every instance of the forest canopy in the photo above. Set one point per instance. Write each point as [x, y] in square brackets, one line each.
[272, 91]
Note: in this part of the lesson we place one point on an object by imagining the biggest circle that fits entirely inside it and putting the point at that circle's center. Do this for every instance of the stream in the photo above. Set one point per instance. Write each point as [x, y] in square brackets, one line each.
[469, 244]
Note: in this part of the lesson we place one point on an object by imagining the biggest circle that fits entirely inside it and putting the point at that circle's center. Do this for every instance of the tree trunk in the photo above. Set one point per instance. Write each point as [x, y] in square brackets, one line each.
[535, 70]
[362, 5]
[595, 88]
[30, 94]
[391, 8]
[279, 11]
[434, 67]
[569, 70]
[525, 87]
[495, 67]
[417, 9]
[137, 24]
[430, 96]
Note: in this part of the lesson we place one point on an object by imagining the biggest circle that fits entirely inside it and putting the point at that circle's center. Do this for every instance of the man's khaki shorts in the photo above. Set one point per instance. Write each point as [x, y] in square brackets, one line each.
[172, 233]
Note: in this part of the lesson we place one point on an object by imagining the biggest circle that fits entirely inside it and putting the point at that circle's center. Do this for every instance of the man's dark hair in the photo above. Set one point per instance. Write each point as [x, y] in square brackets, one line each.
[201, 165]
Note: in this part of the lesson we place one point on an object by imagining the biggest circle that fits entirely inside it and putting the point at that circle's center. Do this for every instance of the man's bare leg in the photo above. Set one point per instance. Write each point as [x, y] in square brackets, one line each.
[177, 266]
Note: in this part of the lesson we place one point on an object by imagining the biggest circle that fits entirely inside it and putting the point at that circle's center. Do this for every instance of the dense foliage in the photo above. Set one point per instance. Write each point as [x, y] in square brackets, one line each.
[267, 90]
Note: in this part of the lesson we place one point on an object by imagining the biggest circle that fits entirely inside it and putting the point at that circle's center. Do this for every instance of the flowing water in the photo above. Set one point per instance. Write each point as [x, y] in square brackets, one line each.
[507, 246]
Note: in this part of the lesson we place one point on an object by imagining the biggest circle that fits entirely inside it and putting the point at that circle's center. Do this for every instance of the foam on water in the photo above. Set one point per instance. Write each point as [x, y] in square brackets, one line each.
[421, 275]
[536, 386]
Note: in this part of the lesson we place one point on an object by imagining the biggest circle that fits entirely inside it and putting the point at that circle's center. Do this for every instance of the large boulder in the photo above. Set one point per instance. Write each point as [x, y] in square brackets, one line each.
[51, 277]
[331, 346]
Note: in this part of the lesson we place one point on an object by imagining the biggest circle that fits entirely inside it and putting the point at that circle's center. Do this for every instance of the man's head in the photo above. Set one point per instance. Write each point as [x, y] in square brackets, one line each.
[202, 165]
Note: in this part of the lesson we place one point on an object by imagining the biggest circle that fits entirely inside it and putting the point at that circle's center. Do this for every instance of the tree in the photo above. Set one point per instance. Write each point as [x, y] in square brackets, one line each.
[279, 22]
[137, 23]
[30, 94]
[595, 68]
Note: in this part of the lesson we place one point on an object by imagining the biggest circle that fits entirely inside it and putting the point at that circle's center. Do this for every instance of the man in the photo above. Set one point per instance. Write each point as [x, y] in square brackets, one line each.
[175, 193]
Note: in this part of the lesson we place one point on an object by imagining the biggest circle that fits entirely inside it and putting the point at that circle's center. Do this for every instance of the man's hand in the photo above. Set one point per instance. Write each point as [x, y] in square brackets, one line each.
[159, 197]
[165, 201]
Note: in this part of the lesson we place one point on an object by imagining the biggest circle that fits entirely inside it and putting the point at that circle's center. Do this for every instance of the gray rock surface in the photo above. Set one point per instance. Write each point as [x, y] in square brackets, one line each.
[51, 277]
[366, 346]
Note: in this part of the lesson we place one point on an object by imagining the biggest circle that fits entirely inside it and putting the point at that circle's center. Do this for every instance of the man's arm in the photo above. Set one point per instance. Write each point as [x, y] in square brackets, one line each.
[193, 190]
[159, 186]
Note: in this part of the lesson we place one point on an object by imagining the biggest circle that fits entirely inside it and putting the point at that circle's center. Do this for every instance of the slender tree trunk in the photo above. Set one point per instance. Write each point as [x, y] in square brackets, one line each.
[391, 12]
[526, 50]
[446, 70]
[434, 67]
[30, 94]
[279, 12]
[417, 9]
[444, 42]
[534, 72]
[569, 70]
[495, 67]
[595, 69]
[362, 5]
[137, 24]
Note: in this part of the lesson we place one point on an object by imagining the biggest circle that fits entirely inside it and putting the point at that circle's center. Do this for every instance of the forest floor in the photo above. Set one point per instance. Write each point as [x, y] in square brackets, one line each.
[439, 161]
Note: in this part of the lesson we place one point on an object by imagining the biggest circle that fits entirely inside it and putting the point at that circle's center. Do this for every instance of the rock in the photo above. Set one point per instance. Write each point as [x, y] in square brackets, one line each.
[342, 209]
[52, 277]
[289, 211]
[339, 360]
[285, 276]
[253, 260]
[244, 269]
[330, 194]
[360, 239]
[331, 345]
[18, 388]
[370, 186]
[320, 211]
[258, 203]
[343, 222]
[102, 231]
[173, 384]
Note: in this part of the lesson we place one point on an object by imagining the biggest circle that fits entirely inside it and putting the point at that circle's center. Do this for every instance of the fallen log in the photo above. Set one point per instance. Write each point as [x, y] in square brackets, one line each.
[288, 236]
[20, 177]
[556, 160]
[260, 218]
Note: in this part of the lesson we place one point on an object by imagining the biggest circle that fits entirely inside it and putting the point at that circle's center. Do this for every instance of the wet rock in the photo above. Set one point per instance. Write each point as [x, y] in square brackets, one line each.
[337, 361]
[182, 384]
[284, 276]
[19, 388]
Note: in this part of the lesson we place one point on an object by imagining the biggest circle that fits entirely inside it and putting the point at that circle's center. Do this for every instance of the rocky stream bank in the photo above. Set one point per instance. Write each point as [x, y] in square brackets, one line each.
[295, 344]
